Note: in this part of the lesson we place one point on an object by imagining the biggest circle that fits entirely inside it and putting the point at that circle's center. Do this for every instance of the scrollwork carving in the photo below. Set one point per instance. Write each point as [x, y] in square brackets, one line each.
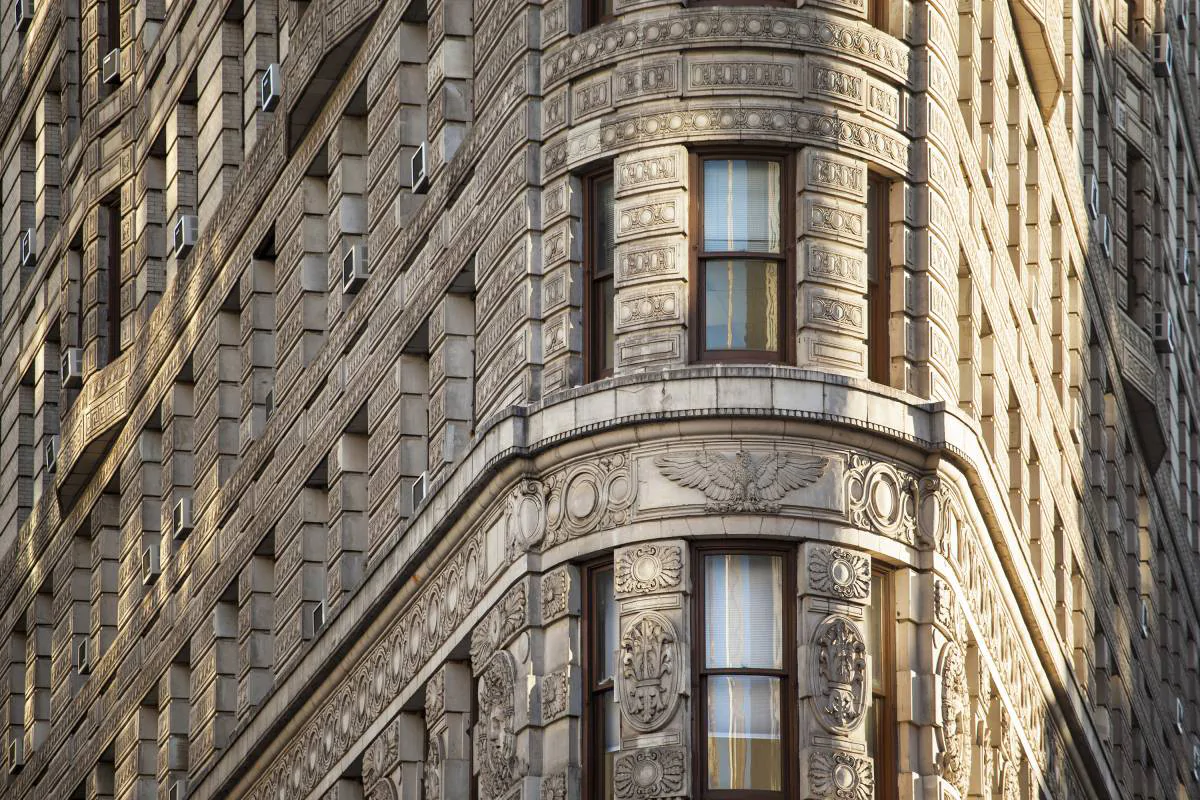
[432, 778]
[596, 495]
[650, 772]
[840, 573]
[648, 568]
[526, 517]
[508, 617]
[839, 674]
[954, 735]
[881, 498]
[649, 671]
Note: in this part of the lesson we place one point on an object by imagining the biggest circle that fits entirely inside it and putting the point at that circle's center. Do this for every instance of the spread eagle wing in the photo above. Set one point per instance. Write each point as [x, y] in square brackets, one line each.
[698, 469]
[778, 473]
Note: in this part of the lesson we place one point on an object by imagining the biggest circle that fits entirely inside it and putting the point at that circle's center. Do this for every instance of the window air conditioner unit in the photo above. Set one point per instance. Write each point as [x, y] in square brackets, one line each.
[1106, 239]
[1164, 342]
[24, 14]
[1093, 196]
[420, 179]
[1179, 716]
[72, 368]
[27, 247]
[1181, 20]
[1195, 762]
[314, 619]
[52, 453]
[83, 661]
[16, 755]
[269, 403]
[1183, 265]
[1145, 612]
[270, 88]
[178, 790]
[418, 490]
[183, 237]
[181, 518]
[110, 67]
[354, 269]
[150, 565]
[1162, 55]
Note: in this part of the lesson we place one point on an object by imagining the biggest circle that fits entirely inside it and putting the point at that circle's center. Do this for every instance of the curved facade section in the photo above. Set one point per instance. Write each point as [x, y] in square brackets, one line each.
[436, 399]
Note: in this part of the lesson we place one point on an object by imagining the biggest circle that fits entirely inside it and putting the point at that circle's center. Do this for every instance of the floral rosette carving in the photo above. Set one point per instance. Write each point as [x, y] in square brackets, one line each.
[841, 776]
[649, 671]
[650, 772]
[648, 568]
[840, 674]
[954, 735]
[840, 573]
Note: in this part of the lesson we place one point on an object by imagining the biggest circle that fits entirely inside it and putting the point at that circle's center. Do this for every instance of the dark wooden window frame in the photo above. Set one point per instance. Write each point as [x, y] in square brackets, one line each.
[589, 636]
[593, 14]
[592, 342]
[886, 734]
[879, 292]
[786, 354]
[113, 244]
[790, 781]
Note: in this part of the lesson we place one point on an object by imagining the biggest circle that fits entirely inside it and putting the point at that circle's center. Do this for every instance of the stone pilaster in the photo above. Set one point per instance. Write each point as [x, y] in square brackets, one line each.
[72, 623]
[347, 516]
[174, 712]
[136, 755]
[831, 262]
[650, 225]
[260, 42]
[217, 366]
[652, 586]
[450, 80]
[105, 563]
[46, 386]
[834, 671]
[213, 684]
[393, 763]
[562, 690]
[257, 294]
[178, 461]
[347, 205]
[451, 374]
[181, 165]
[219, 117]
[151, 237]
[301, 276]
[39, 636]
[140, 517]
[301, 543]
[256, 645]
[447, 771]
[561, 286]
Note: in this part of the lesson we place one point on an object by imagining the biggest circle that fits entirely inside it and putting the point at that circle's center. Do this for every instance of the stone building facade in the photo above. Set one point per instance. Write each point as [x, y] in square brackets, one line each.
[576, 399]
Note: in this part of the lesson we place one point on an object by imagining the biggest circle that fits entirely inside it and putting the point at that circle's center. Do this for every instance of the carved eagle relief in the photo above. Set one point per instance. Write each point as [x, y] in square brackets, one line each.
[742, 482]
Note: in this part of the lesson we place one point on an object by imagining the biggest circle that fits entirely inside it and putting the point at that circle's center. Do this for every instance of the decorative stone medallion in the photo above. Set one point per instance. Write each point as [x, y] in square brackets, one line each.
[649, 671]
[841, 776]
[650, 772]
[839, 572]
[648, 568]
[839, 674]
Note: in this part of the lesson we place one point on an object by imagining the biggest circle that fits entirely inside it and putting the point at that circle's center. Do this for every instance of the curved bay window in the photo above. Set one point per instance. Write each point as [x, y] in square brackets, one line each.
[745, 672]
[602, 715]
[881, 714]
[599, 242]
[742, 258]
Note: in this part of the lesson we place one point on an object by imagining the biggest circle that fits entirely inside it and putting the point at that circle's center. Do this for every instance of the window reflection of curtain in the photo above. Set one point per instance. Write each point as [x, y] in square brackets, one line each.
[744, 610]
[742, 206]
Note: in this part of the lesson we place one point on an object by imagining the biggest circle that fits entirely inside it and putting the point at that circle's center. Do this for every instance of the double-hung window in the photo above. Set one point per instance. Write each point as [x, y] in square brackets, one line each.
[745, 673]
[602, 716]
[742, 254]
[599, 247]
